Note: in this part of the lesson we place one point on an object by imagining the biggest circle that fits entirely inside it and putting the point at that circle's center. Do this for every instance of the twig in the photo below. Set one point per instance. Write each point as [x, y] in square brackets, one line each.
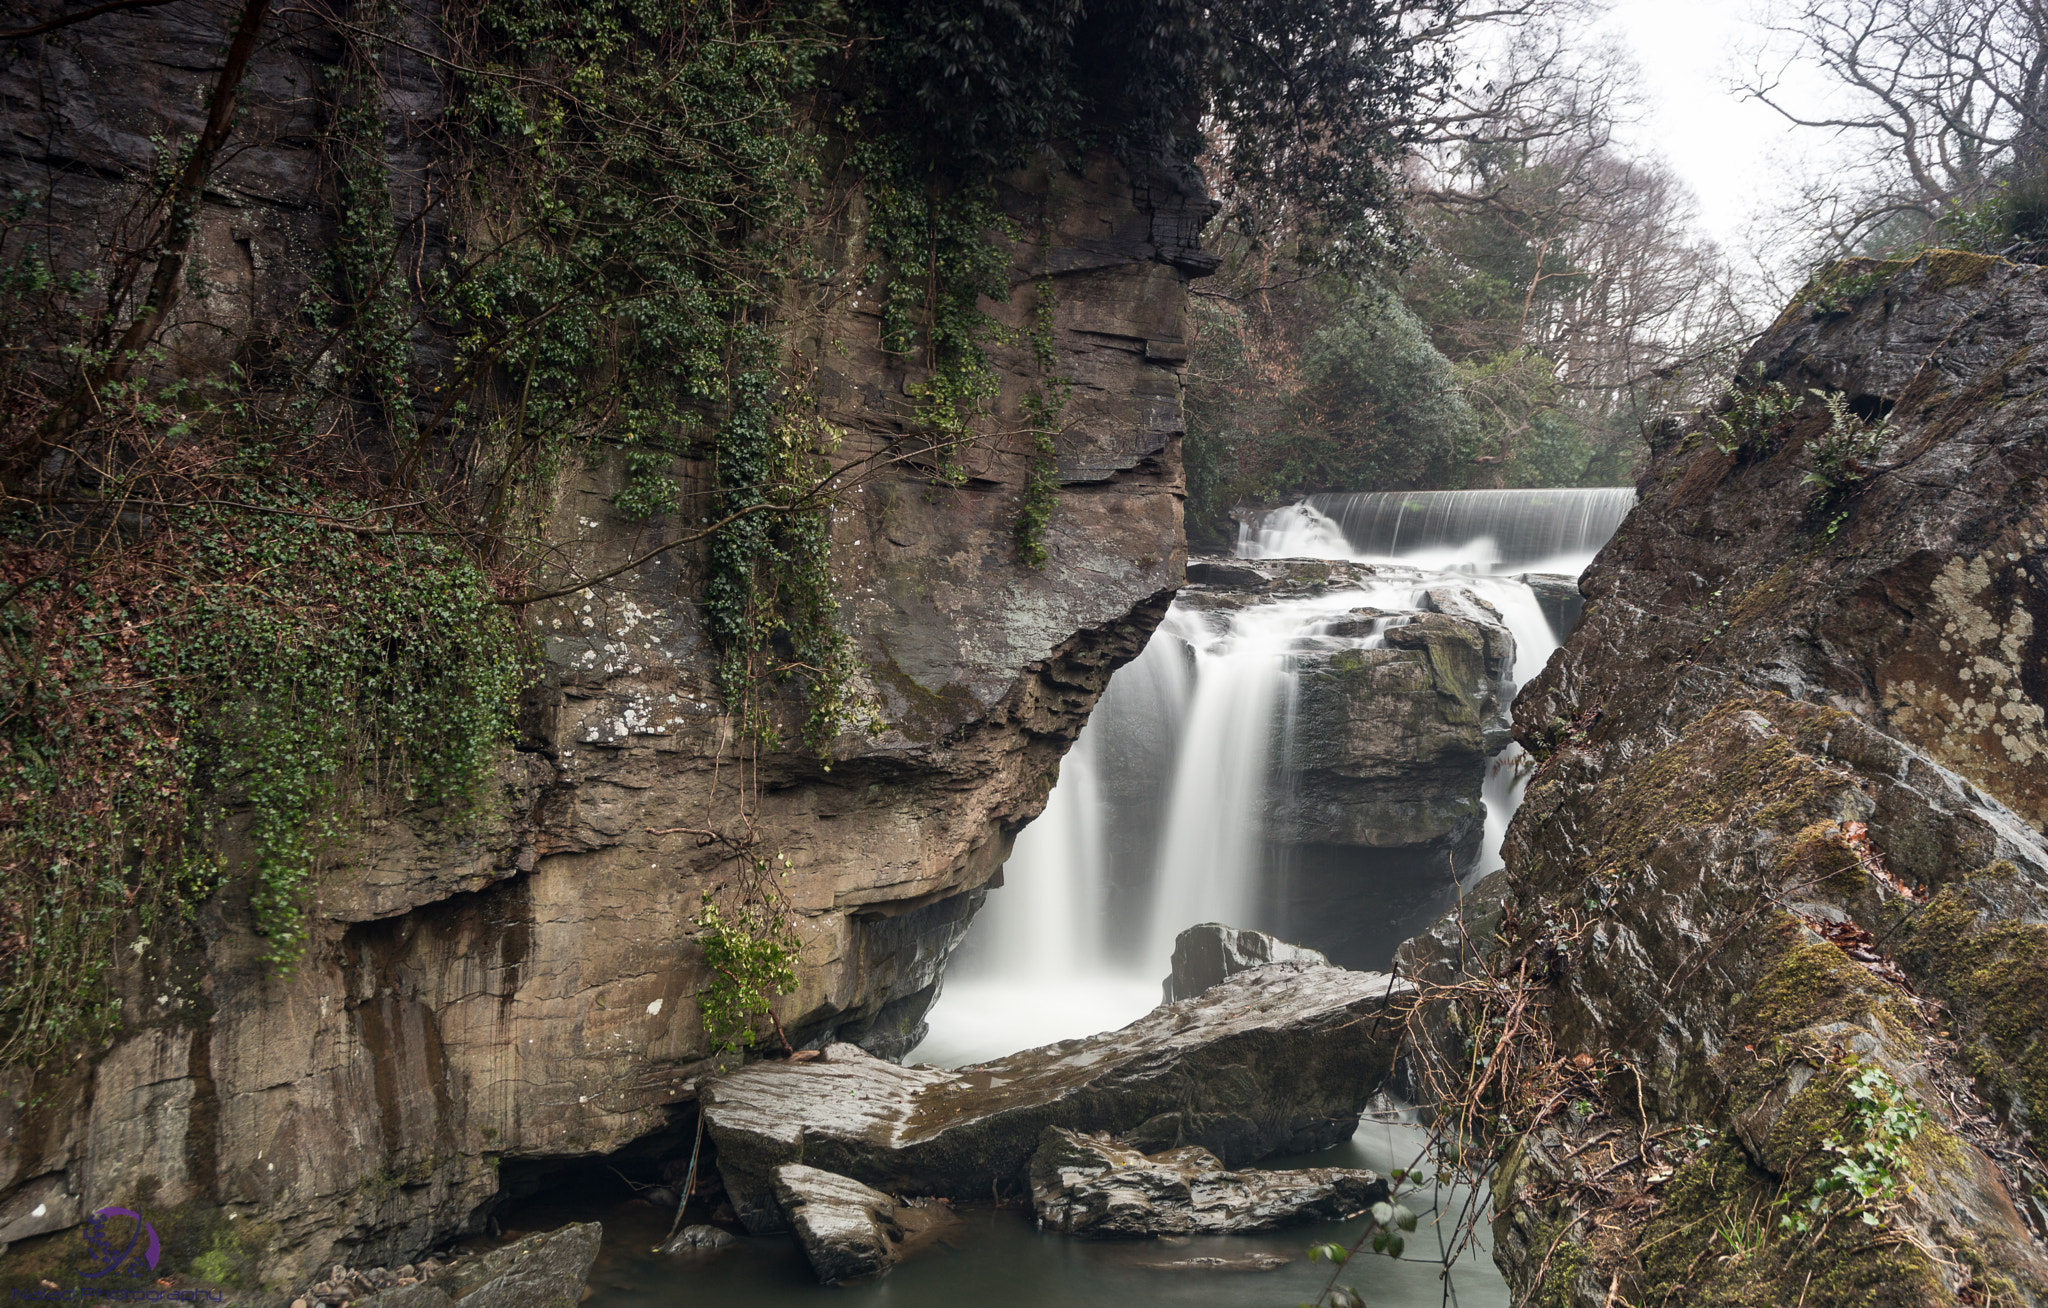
[689, 1182]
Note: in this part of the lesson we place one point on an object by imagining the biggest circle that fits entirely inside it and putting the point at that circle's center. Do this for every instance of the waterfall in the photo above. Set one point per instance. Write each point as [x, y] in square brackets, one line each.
[1157, 820]
[1053, 918]
[1494, 531]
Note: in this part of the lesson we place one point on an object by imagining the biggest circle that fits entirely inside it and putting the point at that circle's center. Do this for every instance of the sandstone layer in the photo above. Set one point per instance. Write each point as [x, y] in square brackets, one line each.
[518, 985]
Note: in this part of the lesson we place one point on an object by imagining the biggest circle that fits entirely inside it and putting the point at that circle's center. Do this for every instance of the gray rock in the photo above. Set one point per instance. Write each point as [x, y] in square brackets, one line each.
[540, 1271]
[1211, 572]
[1205, 955]
[1258, 1262]
[1280, 1058]
[1390, 744]
[1091, 1186]
[699, 1239]
[1558, 596]
[848, 1230]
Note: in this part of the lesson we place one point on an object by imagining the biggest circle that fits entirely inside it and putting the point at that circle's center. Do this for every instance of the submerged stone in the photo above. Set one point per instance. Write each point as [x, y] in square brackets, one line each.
[698, 1239]
[1280, 1058]
[1205, 955]
[1095, 1187]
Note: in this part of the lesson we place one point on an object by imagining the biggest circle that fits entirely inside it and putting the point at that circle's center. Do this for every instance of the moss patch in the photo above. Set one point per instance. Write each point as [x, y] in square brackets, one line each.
[1713, 1241]
[1719, 772]
[1994, 978]
[1951, 268]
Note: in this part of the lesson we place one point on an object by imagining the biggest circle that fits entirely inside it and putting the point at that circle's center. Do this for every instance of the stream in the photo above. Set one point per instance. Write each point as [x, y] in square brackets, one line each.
[1156, 824]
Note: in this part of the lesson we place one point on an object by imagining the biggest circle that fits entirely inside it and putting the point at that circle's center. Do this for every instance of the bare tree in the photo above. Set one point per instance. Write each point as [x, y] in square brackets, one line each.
[1940, 101]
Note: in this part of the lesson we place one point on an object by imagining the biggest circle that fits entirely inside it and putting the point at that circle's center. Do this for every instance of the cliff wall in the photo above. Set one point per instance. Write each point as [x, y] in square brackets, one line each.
[1779, 889]
[484, 994]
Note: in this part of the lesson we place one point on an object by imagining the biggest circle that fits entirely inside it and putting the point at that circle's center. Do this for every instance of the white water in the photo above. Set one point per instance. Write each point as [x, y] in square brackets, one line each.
[1156, 821]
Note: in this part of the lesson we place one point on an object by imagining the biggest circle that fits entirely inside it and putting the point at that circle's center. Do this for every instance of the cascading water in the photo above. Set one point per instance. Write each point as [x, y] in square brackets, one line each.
[1157, 820]
[1491, 531]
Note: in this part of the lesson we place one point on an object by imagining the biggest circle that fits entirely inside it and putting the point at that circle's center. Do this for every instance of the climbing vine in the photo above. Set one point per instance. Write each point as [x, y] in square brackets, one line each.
[1866, 1172]
[258, 655]
[942, 246]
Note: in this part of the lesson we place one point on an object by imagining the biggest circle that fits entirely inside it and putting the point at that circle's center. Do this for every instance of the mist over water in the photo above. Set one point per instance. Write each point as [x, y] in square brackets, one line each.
[1158, 819]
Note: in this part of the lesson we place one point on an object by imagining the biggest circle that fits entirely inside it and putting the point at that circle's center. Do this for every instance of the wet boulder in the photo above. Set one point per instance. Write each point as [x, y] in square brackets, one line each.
[541, 1271]
[1092, 1186]
[848, 1231]
[1390, 744]
[698, 1240]
[1558, 596]
[1206, 955]
[1280, 1058]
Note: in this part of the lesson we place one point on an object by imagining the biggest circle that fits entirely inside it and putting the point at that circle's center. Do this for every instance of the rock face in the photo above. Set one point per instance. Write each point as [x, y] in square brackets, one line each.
[1090, 1186]
[1205, 955]
[1282, 1058]
[1391, 743]
[1782, 855]
[541, 1271]
[848, 1231]
[1559, 598]
[520, 982]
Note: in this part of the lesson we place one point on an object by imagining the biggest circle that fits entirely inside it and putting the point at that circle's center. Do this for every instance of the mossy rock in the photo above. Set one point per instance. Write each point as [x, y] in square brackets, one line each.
[1993, 975]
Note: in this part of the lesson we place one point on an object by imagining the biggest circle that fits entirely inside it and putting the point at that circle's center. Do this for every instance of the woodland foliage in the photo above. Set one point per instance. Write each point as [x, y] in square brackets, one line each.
[1541, 298]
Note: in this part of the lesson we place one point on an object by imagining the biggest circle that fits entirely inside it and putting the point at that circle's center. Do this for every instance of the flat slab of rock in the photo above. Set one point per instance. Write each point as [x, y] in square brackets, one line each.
[1094, 1187]
[540, 1271]
[850, 1231]
[1208, 954]
[1280, 1058]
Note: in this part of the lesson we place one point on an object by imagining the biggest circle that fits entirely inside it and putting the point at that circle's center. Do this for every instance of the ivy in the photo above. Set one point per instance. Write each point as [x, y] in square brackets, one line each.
[1043, 409]
[942, 247]
[245, 659]
[1866, 1176]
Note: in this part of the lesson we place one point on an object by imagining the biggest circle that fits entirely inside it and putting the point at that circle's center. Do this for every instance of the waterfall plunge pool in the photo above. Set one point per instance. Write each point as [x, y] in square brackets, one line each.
[1155, 825]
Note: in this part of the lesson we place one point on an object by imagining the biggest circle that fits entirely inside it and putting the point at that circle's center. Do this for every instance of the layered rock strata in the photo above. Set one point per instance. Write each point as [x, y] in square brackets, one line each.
[518, 984]
[540, 1271]
[1281, 1058]
[1780, 876]
[1090, 1186]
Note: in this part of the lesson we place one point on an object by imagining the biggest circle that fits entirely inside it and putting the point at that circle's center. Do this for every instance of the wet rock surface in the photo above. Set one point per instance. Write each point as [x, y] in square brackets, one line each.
[541, 1271]
[1206, 955]
[848, 1231]
[1091, 1186]
[1781, 857]
[1281, 1058]
[698, 1240]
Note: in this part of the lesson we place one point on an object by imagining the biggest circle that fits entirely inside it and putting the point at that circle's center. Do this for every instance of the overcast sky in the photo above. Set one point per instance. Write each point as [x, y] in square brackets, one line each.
[1738, 156]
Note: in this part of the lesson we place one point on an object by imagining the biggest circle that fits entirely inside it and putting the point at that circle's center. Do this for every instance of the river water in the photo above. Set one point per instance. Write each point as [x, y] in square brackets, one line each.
[1156, 824]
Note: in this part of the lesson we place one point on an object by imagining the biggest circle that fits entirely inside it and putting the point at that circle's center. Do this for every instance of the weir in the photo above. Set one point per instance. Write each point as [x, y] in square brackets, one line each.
[1164, 811]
